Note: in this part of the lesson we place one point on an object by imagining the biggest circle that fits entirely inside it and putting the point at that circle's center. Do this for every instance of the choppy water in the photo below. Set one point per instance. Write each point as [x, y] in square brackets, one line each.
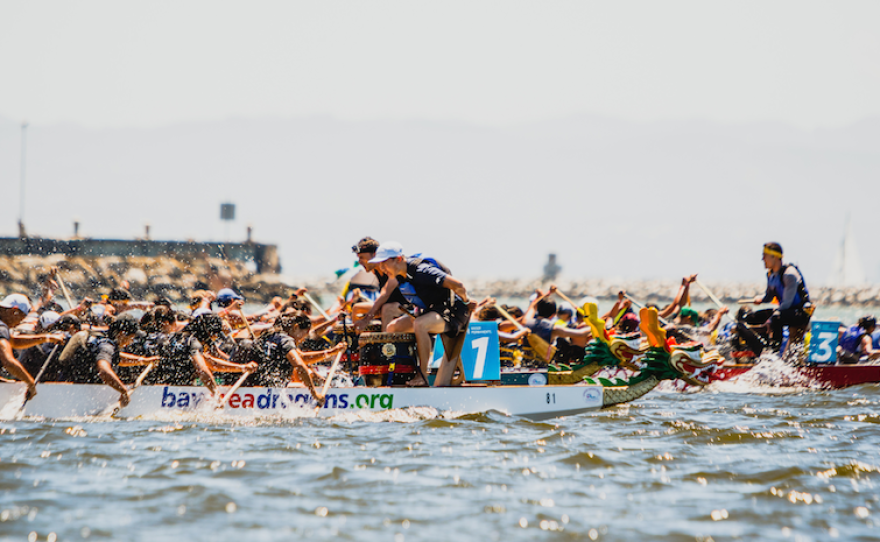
[727, 463]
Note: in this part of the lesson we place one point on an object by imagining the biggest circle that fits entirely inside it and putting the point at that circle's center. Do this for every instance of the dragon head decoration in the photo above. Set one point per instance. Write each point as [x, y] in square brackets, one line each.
[666, 360]
[610, 350]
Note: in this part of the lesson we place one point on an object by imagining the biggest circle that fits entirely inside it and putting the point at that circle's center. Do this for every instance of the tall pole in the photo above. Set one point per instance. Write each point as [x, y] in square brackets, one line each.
[21, 230]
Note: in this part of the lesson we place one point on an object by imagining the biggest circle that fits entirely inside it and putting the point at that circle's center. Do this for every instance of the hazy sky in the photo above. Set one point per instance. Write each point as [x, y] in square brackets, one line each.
[150, 63]
[522, 126]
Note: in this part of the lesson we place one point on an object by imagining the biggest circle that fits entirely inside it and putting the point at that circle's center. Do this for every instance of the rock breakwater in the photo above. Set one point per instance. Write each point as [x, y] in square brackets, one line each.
[177, 278]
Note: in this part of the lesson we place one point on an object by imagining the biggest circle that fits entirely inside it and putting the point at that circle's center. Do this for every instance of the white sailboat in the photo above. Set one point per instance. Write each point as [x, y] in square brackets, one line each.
[848, 269]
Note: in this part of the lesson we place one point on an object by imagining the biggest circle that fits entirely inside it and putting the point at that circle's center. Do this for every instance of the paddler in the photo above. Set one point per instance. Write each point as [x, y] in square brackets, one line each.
[93, 360]
[540, 319]
[856, 342]
[389, 299]
[443, 303]
[13, 310]
[184, 356]
[785, 283]
[281, 361]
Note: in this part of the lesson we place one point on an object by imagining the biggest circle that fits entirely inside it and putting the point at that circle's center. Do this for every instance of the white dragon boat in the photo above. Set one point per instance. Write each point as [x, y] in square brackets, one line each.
[58, 400]
[661, 361]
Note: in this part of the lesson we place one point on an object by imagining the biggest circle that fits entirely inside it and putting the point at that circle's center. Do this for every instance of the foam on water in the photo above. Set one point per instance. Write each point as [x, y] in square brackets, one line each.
[770, 375]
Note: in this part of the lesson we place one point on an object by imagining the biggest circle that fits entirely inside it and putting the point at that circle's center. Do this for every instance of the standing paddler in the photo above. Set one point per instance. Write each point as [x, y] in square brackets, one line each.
[442, 301]
[785, 283]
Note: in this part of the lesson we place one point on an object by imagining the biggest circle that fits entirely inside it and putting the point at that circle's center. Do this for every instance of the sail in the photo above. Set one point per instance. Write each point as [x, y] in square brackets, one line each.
[848, 270]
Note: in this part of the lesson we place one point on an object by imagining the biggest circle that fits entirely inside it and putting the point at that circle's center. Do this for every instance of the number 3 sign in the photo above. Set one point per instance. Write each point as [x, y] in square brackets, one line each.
[823, 342]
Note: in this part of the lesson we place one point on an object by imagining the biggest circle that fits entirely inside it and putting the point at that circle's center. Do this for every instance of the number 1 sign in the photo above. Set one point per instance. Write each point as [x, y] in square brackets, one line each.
[480, 354]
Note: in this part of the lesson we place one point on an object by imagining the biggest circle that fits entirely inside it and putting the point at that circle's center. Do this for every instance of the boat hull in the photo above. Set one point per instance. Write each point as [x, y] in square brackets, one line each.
[829, 376]
[56, 401]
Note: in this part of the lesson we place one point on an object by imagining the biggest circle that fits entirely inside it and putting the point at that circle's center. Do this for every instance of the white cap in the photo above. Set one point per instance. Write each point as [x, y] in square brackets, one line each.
[388, 250]
[17, 301]
[48, 318]
[198, 312]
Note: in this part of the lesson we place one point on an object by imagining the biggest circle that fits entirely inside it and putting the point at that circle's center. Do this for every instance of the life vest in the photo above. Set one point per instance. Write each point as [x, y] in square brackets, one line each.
[852, 339]
[776, 286]
[542, 327]
[408, 290]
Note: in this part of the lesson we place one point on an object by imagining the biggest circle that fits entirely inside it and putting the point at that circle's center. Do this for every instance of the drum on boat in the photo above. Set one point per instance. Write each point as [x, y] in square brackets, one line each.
[387, 359]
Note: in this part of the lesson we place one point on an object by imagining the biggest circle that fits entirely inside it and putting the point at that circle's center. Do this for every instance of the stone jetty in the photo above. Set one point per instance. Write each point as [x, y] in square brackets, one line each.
[178, 277]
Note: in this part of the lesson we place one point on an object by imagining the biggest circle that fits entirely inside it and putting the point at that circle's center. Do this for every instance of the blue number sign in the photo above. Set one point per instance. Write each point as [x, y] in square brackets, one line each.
[480, 354]
[823, 342]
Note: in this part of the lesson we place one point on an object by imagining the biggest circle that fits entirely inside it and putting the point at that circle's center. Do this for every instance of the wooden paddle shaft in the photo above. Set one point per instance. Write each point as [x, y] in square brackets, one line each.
[46, 364]
[65, 292]
[329, 378]
[247, 324]
[315, 304]
[663, 321]
[713, 298]
[572, 303]
[507, 315]
[234, 388]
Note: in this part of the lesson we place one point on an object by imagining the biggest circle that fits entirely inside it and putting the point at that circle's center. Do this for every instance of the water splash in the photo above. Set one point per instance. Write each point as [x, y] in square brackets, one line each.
[771, 375]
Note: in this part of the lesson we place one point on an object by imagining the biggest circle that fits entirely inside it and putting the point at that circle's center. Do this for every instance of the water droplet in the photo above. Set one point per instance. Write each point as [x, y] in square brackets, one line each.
[593, 534]
[85, 532]
[861, 512]
[52, 537]
[181, 510]
[523, 522]
[405, 524]
[231, 507]
[32, 536]
[322, 511]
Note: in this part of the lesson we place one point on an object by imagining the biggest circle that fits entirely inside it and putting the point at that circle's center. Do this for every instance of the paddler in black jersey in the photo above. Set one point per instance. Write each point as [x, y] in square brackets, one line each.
[13, 310]
[184, 355]
[443, 304]
[785, 283]
[281, 361]
[88, 359]
[388, 300]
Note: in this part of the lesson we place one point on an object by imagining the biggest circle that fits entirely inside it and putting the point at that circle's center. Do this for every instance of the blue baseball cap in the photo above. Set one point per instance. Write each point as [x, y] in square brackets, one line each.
[226, 296]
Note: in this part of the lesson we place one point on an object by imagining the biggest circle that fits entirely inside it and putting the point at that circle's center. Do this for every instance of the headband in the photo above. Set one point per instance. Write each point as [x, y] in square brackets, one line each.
[771, 252]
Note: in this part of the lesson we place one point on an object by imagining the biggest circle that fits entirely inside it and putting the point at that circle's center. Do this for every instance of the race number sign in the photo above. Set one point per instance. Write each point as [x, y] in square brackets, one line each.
[480, 354]
[823, 342]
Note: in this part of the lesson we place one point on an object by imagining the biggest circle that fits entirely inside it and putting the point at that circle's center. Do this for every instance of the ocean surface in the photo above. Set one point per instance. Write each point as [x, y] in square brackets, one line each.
[735, 461]
[744, 460]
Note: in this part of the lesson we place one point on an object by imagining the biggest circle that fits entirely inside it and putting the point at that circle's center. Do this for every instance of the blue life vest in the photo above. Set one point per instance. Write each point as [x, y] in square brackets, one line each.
[542, 327]
[851, 339]
[408, 290]
[776, 286]
[875, 338]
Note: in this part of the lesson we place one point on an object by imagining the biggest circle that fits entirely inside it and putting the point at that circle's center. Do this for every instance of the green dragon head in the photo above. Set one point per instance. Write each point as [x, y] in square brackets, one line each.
[666, 360]
[610, 350]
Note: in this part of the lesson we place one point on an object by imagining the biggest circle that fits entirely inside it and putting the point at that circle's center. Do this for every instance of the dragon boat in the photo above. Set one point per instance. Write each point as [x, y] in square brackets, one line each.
[829, 376]
[663, 360]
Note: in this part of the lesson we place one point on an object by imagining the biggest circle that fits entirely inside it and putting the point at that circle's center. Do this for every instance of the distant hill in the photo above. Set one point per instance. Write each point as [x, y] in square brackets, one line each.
[611, 198]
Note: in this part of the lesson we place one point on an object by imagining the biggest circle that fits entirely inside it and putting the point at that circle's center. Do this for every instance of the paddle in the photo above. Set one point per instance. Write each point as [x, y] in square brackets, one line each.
[137, 383]
[638, 305]
[315, 304]
[572, 303]
[539, 345]
[64, 291]
[246, 373]
[328, 379]
[40, 374]
[714, 299]
[247, 324]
